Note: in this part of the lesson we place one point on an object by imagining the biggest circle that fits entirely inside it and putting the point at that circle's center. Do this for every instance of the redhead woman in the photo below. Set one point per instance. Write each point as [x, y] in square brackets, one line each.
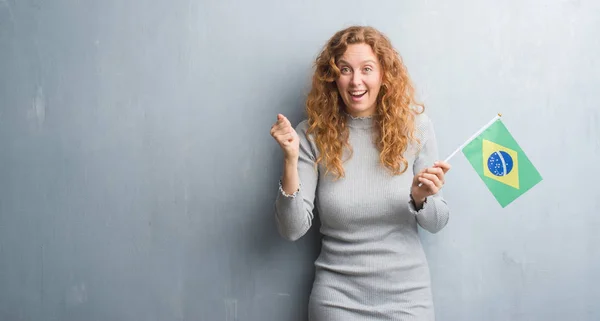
[366, 158]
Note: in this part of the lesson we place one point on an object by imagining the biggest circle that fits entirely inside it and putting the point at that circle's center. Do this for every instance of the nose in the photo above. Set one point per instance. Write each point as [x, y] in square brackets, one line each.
[356, 79]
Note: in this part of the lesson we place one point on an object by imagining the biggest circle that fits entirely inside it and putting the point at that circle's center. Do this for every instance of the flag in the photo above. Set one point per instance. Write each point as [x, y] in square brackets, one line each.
[501, 163]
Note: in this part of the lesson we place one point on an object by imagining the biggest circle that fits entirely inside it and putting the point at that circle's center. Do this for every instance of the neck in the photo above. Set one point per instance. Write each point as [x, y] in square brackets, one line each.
[362, 113]
[359, 121]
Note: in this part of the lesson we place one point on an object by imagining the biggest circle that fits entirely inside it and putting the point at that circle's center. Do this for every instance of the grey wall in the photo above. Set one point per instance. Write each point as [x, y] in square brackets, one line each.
[137, 173]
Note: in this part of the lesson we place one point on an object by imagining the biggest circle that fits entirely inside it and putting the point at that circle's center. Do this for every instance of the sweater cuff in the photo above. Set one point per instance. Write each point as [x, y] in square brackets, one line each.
[412, 206]
[286, 194]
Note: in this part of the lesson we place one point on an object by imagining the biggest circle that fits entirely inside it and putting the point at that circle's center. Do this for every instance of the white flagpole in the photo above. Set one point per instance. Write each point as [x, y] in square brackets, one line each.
[473, 137]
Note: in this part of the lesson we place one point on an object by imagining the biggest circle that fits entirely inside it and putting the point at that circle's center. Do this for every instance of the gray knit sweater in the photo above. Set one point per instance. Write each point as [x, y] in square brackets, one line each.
[372, 265]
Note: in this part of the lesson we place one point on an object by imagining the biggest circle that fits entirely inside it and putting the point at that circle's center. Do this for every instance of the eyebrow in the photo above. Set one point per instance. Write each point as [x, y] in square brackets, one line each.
[342, 61]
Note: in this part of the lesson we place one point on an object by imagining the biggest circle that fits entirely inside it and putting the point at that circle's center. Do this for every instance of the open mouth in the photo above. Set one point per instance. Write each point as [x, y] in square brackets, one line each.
[357, 94]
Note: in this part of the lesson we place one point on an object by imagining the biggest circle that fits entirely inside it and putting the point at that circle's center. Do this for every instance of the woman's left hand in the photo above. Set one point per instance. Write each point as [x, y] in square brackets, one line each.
[428, 182]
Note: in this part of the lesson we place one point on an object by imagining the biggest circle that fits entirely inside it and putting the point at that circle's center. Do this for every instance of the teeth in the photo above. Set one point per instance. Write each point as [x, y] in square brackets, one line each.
[358, 93]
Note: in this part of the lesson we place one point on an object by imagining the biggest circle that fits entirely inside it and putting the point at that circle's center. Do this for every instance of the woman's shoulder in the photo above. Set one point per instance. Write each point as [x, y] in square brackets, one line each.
[302, 131]
[302, 125]
[421, 119]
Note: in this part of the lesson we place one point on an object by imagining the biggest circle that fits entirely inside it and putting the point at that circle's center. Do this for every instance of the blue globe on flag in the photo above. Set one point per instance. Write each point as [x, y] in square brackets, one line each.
[500, 163]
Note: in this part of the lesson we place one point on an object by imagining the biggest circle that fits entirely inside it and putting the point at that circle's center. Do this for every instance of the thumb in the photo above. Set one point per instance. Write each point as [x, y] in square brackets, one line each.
[285, 121]
[282, 120]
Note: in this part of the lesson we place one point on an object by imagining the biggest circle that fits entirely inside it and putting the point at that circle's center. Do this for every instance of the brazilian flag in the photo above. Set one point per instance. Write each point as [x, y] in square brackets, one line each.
[501, 163]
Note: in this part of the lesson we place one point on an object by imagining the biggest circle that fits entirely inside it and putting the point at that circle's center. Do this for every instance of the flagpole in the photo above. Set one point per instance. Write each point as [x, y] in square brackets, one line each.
[473, 137]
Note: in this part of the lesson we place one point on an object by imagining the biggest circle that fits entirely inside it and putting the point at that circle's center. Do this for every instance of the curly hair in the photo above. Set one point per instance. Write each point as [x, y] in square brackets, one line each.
[395, 111]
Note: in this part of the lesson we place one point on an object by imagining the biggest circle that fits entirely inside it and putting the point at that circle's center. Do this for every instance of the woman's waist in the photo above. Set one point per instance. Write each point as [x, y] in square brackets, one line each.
[366, 259]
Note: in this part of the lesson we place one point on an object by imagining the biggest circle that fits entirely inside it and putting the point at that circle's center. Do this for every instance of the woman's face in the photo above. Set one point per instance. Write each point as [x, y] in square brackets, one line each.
[360, 80]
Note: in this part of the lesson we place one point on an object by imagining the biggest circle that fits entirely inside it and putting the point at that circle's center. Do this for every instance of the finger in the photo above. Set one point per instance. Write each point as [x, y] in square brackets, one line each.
[418, 179]
[428, 183]
[281, 119]
[284, 126]
[285, 137]
[430, 176]
[433, 178]
[286, 121]
[275, 129]
[435, 170]
[445, 166]
[278, 132]
[284, 131]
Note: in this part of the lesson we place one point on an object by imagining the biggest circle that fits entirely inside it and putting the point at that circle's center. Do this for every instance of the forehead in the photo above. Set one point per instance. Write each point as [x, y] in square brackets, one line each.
[358, 53]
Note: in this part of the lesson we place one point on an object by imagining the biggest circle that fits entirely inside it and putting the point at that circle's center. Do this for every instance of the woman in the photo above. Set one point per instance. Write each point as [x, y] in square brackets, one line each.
[365, 158]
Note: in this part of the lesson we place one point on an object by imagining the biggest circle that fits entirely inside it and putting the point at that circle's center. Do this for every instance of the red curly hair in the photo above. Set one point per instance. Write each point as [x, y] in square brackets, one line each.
[395, 111]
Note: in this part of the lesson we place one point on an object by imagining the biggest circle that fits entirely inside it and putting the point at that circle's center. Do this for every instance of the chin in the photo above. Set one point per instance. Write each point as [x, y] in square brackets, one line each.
[360, 110]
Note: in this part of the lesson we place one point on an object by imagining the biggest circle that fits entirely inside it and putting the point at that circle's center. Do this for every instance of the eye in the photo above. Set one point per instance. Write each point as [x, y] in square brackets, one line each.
[345, 70]
[368, 69]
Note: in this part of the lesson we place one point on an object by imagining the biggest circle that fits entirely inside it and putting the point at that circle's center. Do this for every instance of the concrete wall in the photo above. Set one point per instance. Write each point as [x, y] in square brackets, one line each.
[137, 174]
